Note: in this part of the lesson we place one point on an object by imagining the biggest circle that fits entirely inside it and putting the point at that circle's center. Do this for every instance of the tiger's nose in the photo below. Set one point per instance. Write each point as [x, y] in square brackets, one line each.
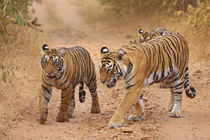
[49, 73]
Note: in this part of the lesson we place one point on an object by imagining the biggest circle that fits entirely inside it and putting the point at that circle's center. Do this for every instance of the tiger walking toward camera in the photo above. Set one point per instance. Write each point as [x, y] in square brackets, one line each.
[162, 59]
[64, 68]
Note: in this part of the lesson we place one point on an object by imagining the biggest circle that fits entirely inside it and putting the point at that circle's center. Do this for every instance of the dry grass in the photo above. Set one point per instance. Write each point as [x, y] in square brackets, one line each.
[20, 71]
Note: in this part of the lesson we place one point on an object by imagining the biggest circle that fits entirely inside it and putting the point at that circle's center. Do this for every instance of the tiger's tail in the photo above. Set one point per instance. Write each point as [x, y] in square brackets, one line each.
[82, 93]
[190, 91]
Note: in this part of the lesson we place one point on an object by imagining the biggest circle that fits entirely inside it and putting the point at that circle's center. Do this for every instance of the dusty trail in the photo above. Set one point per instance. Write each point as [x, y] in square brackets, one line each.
[65, 24]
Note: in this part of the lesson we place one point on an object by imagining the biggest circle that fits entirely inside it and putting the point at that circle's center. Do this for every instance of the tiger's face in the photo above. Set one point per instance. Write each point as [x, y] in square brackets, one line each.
[143, 36]
[109, 69]
[52, 62]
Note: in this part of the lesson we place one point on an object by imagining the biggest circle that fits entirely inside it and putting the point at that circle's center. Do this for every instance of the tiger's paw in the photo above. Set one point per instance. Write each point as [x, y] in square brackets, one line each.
[115, 123]
[135, 118]
[43, 119]
[176, 113]
[95, 109]
[70, 113]
[62, 118]
[170, 106]
[43, 116]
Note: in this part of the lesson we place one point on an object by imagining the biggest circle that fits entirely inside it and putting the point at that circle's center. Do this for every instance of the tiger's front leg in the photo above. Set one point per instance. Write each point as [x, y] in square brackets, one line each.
[72, 104]
[95, 103]
[92, 85]
[138, 111]
[130, 98]
[44, 98]
[65, 101]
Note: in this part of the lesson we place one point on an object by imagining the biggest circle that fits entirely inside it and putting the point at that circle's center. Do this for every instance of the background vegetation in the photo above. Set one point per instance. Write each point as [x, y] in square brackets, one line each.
[196, 11]
[13, 12]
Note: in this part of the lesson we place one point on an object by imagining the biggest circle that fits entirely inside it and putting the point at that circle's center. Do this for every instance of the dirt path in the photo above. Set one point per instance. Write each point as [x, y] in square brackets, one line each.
[65, 24]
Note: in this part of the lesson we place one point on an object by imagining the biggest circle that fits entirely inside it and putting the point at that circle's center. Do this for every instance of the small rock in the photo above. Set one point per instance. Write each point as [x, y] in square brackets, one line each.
[145, 127]
[126, 130]
[198, 71]
[115, 135]
[146, 138]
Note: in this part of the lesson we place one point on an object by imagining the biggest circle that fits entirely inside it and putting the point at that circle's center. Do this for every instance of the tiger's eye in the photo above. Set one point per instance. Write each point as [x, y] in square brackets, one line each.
[59, 69]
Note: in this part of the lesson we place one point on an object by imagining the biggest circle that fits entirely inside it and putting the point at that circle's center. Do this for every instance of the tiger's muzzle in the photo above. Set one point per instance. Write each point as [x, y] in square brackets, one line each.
[111, 83]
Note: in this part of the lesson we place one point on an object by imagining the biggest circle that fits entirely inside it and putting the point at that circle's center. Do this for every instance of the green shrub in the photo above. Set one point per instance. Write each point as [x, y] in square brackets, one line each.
[13, 12]
[198, 17]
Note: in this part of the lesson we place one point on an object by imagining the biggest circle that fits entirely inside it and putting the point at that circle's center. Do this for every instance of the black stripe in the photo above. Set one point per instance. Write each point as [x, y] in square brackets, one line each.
[47, 99]
[141, 97]
[176, 92]
[48, 91]
[130, 79]
[60, 75]
[65, 88]
[130, 67]
[127, 87]
[130, 48]
[64, 81]
[169, 46]
[179, 84]
[46, 82]
[187, 91]
[135, 48]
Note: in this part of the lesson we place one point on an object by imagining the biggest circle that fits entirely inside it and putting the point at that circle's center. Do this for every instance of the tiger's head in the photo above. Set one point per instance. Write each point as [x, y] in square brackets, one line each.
[112, 66]
[52, 62]
[143, 36]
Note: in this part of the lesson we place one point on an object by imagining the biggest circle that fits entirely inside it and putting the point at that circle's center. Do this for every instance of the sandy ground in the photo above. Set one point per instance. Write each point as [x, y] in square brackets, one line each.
[65, 24]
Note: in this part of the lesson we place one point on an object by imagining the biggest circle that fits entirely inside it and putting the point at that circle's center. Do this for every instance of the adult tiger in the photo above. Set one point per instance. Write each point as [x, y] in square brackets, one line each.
[142, 37]
[164, 58]
[64, 68]
[145, 36]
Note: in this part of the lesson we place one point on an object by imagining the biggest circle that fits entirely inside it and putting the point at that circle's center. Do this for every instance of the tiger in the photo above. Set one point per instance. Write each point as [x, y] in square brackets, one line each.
[142, 37]
[145, 36]
[161, 59]
[159, 31]
[64, 68]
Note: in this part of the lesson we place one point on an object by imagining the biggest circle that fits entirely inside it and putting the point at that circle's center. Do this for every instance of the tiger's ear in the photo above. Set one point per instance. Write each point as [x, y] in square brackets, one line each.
[104, 50]
[152, 32]
[120, 54]
[140, 31]
[62, 51]
[45, 47]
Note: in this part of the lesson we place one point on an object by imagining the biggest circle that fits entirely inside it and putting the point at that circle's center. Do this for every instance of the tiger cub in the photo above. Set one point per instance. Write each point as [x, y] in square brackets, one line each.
[145, 36]
[64, 68]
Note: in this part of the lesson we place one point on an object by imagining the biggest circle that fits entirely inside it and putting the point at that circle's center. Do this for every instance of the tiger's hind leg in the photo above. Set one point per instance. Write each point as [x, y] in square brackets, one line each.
[92, 85]
[176, 110]
[171, 102]
[72, 104]
[138, 111]
[82, 93]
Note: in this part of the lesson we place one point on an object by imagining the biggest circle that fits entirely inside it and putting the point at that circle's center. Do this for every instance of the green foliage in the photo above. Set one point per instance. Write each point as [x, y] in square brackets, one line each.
[199, 16]
[12, 12]
[196, 16]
